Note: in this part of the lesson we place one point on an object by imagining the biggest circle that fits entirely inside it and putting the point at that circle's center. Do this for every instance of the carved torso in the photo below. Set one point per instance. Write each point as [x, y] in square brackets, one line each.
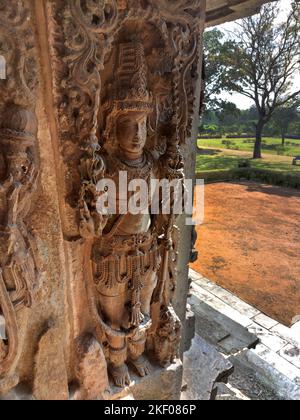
[130, 224]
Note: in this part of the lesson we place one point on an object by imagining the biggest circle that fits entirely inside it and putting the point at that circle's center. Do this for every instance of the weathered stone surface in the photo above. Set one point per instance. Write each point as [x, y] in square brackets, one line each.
[226, 393]
[226, 335]
[91, 371]
[220, 306]
[19, 393]
[266, 337]
[50, 376]
[204, 367]
[260, 380]
[292, 354]
[242, 307]
[189, 329]
[265, 321]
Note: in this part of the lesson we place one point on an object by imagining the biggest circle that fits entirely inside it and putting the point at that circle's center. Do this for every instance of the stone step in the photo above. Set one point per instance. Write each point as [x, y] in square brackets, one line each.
[259, 372]
[227, 336]
[257, 378]
[224, 295]
[220, 306]
[264, 353]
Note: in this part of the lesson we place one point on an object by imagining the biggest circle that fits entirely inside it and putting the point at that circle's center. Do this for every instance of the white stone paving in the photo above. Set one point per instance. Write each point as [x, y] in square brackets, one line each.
[280, 346]
[266, 337]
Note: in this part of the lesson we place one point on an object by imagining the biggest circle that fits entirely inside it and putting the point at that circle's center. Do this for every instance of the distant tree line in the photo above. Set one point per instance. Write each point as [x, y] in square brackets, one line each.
[258, 60]
[233, 121]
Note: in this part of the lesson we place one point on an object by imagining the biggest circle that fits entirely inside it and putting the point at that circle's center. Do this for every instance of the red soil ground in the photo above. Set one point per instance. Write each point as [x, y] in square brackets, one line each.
[250, 245]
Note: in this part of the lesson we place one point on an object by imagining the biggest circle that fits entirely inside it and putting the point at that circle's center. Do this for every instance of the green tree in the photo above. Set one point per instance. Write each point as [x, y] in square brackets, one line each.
[218, 69]
[283, 117]
[228, 113]
[295, 126]
[266, 58]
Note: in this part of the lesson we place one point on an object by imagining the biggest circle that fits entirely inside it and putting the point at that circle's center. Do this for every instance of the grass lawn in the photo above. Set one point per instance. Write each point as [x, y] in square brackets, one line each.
[270, 145]
[216, 160]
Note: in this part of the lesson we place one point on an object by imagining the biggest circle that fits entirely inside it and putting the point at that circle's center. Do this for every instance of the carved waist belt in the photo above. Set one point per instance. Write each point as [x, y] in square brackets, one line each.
[121, 269]
[132, 268]
[128, 244]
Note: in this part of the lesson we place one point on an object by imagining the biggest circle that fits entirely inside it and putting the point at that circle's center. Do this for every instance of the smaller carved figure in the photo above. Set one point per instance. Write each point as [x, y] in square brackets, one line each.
[167, 339]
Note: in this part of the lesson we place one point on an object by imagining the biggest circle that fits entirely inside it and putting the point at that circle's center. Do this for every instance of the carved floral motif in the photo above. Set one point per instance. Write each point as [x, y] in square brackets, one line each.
[17, 47]
[83, 34]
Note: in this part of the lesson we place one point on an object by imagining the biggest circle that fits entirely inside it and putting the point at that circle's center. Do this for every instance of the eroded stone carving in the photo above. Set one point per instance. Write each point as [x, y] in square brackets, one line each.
[18, 174]
[167, 339]
[18, 49]
[18, 275]
[88, 30]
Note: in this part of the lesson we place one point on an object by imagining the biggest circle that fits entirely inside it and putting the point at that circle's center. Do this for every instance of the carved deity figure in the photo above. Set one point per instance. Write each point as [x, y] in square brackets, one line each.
[128, 250]
[19, 174]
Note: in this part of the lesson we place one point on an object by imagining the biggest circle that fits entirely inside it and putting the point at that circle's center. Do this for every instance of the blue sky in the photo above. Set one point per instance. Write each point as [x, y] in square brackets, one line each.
[242, 101]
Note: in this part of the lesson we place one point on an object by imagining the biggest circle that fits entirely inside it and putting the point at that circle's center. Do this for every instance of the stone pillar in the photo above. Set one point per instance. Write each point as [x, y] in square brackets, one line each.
[73, 70]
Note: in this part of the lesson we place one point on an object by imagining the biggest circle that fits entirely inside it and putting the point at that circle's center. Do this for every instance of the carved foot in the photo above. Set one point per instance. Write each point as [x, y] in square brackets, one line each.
[120, 375]
[141, 365]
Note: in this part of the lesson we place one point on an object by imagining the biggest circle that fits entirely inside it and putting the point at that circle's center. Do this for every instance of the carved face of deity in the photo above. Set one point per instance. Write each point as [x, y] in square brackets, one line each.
[132, 134]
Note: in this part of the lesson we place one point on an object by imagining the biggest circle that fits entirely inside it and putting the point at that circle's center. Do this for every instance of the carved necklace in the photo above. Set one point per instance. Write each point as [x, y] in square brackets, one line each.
[136, 169]
[136, 163]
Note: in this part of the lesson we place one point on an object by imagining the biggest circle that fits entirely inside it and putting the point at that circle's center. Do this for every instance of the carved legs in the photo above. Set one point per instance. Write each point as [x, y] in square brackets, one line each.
[114, 307]
[136, 347]
[121, 351]
[117, 358]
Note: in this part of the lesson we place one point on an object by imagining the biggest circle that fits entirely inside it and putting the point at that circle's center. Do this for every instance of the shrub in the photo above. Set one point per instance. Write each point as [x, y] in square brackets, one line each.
[228, 144]
[252, 174]
[244, 164]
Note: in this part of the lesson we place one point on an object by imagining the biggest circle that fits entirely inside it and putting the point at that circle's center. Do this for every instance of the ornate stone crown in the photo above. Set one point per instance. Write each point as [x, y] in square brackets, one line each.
[129, 90]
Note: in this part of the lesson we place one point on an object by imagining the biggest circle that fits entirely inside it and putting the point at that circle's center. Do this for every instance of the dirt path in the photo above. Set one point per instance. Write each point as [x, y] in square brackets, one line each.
[250, 244]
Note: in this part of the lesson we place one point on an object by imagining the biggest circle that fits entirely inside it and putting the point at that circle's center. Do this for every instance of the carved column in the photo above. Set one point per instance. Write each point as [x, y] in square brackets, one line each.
[61, 105]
